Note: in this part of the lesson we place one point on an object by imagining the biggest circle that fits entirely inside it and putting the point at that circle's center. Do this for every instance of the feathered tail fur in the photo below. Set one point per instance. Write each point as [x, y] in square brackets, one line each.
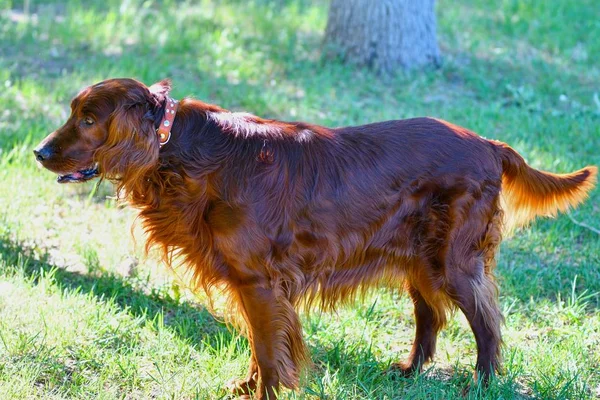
[528, 192]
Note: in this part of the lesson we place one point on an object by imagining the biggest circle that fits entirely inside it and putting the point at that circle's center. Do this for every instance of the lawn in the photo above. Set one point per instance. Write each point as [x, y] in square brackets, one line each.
[84, 314]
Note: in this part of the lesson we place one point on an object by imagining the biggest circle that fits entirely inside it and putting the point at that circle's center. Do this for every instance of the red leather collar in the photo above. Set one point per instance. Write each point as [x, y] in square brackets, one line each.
[164, 129]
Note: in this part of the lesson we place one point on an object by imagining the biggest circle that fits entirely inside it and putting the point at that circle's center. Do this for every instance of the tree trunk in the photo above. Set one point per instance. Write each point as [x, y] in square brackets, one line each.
[384, 35]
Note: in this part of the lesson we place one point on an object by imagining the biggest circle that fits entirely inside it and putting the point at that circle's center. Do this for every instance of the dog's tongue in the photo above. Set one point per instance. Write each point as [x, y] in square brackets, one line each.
[74, 177]
[79, 176]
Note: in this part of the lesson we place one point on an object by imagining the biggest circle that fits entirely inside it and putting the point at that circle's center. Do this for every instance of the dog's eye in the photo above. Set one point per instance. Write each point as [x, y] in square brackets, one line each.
[88, 121]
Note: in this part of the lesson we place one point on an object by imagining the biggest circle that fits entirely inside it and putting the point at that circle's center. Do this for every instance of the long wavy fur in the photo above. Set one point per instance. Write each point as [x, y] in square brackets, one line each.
[280, 216]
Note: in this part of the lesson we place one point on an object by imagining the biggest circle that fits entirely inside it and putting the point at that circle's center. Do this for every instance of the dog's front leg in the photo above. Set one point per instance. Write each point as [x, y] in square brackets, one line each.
[275, 336]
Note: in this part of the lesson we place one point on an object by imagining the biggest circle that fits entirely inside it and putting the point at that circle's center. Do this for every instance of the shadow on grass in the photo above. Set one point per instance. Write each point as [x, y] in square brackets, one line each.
[191, 322]
[355, 365]
[292, 59]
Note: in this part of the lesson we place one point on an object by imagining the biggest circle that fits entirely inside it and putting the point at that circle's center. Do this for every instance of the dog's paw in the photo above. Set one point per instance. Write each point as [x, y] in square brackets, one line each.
[405, 370]
[243, 388]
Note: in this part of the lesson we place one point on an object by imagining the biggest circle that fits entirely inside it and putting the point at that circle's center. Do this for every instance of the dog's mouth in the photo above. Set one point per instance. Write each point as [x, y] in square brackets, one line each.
[81, 175]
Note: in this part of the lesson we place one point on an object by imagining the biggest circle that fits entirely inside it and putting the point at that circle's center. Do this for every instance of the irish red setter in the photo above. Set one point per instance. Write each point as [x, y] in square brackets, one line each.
[283, 215]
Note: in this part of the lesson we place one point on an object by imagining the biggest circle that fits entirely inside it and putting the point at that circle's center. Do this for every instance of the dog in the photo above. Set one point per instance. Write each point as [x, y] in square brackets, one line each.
[282, 215]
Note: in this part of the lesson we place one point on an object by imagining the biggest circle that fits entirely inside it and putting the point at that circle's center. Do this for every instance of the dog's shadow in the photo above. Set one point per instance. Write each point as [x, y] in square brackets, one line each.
[149, 304]
[354, 365]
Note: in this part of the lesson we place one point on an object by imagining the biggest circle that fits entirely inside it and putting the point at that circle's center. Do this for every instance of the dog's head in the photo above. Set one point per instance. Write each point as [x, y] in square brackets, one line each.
[111, 132]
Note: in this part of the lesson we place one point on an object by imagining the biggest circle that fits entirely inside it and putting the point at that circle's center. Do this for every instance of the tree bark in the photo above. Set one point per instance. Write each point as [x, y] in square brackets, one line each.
[384, 35]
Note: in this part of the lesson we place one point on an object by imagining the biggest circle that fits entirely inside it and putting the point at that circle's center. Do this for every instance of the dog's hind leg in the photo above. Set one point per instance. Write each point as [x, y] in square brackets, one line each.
[477, 298]
[430, 317]
[472, 287]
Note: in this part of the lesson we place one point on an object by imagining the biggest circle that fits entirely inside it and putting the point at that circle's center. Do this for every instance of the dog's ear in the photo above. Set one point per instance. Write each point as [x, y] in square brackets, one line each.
[131, 149]
[160, 90]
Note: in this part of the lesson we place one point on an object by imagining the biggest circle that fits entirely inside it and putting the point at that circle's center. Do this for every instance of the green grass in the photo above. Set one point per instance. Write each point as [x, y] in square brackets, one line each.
[84, 315]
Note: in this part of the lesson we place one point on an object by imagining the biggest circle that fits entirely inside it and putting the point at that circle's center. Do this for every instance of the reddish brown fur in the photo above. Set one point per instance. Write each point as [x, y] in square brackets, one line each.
[329, 213]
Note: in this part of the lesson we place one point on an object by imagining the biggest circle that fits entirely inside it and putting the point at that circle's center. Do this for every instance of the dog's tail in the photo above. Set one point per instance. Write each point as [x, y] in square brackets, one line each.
[528, 192]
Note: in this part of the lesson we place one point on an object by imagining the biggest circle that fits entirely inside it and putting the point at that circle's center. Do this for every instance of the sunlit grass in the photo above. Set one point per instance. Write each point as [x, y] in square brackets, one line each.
[83, 314]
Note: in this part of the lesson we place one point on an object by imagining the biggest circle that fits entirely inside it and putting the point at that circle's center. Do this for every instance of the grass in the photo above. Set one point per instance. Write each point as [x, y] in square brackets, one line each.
[84, 315]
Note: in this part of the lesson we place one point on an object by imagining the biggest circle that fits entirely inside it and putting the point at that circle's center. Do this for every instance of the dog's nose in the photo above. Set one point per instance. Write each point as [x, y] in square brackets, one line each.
[43, 154]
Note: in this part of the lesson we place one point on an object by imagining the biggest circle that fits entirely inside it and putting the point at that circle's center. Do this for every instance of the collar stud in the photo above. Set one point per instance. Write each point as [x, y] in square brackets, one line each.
[164, 128]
